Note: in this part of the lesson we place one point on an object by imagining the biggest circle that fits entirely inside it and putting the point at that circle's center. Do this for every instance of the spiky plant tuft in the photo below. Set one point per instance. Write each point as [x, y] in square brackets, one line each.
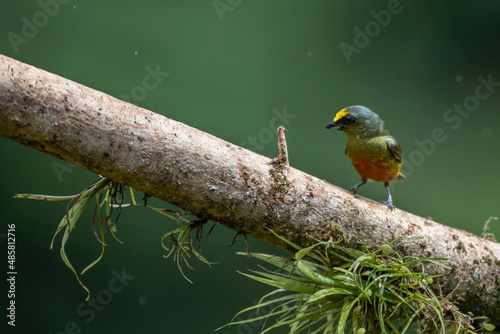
[370, 292]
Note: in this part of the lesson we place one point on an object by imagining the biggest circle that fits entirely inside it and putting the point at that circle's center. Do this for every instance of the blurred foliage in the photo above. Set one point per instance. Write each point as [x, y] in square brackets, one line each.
[234, 78]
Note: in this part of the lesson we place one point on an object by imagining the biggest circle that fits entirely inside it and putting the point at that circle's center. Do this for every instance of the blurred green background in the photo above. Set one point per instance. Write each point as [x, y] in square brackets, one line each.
[233, 66]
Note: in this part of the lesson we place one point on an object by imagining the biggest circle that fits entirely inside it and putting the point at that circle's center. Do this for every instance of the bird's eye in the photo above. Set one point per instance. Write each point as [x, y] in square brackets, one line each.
[348, 119]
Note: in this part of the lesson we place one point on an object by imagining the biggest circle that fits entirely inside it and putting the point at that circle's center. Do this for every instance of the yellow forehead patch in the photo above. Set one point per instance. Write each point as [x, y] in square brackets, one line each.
[340, 114]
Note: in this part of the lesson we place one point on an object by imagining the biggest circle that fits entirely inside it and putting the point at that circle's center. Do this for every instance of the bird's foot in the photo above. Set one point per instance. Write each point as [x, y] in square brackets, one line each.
[389, 204]
[354, 189]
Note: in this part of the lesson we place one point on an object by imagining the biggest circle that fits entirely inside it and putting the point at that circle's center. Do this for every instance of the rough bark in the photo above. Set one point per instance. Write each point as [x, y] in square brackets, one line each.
[228, 184]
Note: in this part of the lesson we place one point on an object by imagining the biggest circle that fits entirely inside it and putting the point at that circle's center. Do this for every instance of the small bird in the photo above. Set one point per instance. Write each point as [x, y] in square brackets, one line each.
[373, 152]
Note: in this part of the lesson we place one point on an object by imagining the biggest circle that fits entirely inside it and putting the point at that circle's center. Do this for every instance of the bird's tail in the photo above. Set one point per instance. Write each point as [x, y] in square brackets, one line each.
[400, 176]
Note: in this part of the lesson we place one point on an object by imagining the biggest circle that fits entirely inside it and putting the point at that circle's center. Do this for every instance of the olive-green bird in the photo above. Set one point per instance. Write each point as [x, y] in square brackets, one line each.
[373, 152]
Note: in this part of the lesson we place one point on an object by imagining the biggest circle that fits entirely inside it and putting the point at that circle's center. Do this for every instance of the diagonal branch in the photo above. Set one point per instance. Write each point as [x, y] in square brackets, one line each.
[222, 182]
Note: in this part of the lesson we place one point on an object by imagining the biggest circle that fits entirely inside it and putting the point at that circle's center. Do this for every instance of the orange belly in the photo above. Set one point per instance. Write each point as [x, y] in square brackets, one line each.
[376, 170]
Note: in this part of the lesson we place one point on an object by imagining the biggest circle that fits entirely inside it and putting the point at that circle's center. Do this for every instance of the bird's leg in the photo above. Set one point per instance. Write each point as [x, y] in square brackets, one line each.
[354, 189]
[389, 199]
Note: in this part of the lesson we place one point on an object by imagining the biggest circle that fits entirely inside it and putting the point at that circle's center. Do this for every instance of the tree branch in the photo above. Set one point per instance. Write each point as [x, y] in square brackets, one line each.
[222, 182]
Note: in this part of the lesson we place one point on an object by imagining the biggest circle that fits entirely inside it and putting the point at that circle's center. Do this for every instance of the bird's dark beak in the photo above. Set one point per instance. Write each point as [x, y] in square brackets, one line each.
[333, 125]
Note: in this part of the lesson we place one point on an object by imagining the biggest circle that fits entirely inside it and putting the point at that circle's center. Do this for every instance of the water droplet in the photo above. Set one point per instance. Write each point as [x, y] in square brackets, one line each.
[143, 301]
[136, 53]
[74, 6]
[310, 54]
[486, 133]
[459, 79]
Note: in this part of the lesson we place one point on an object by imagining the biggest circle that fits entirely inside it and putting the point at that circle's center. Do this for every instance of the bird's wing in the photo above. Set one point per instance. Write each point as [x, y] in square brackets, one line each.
[395, 149]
